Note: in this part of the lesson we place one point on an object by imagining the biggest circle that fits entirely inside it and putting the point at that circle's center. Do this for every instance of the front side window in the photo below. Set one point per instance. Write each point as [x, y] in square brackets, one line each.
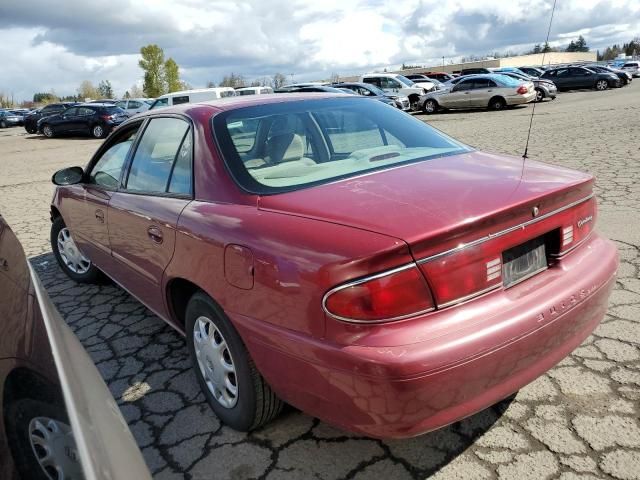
[466, 85]
[227, 93]
[155, 155]
[303, 143]
[106, 171]
[85, 112]
[389, 83]
[373, 81]
[159, 103]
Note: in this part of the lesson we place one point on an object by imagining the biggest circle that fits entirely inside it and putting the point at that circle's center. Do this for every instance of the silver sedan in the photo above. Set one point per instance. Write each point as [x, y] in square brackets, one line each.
[491, 91]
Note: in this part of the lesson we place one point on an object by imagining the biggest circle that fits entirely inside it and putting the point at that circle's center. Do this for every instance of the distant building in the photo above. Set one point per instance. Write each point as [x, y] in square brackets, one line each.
[535, 59]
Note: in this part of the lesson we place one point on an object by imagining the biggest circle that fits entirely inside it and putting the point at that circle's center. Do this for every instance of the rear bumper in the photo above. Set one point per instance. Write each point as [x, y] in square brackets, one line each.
[491, 347]
[521, 99]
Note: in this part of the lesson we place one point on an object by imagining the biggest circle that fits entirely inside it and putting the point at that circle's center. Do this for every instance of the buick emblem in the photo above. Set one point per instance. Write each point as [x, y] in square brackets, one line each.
[535, 211]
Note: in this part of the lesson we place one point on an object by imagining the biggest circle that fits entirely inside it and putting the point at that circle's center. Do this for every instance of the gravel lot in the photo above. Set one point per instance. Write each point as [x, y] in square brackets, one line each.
[580, 421]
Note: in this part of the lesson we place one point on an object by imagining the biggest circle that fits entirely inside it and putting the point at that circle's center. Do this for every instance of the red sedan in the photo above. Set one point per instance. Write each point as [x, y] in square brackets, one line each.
[337, 254]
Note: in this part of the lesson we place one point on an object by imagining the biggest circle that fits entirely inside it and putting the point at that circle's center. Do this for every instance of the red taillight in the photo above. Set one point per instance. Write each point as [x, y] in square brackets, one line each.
[522, 90]
[464, 274]
[389, 296]
[105, 117]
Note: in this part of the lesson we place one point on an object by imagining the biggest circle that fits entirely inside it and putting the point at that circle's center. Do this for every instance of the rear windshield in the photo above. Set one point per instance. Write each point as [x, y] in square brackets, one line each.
[286, 146]
[507, 81]
[112, 110]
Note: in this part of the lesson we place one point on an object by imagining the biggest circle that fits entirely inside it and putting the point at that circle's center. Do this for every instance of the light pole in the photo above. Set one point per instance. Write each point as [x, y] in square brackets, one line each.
[443, 62]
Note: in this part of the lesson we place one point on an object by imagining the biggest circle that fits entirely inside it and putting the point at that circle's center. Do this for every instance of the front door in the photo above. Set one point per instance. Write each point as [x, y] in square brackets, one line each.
[459, 95]
[70, 121]
[143, 216]
[84, 207]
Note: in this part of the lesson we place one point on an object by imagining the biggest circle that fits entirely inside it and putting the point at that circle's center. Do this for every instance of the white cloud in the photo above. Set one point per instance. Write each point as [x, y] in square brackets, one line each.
[256, 38]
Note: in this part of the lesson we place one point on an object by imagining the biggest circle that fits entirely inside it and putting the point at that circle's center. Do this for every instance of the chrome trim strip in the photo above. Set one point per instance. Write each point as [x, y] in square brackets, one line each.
[491, 236]
[470, 296]
[366, 279]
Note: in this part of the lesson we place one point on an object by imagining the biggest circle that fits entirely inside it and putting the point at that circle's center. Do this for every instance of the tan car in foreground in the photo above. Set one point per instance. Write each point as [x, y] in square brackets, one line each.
[492, 91]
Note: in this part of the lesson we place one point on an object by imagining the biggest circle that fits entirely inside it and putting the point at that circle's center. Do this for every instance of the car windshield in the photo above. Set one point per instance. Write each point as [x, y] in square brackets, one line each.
[285, 146]
[375, 90]
[405, 80]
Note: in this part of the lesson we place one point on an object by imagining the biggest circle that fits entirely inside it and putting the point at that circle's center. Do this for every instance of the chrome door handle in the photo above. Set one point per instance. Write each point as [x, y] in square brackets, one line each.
[155, 234]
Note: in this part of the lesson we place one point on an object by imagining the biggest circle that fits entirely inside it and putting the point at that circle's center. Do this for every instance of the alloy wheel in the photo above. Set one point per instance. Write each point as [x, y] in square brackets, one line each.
[539, 95]
[98, 131]
[215, 362]
[54, 447]
[73, 259]
[430, 106]
[602, 85]
[48, 131]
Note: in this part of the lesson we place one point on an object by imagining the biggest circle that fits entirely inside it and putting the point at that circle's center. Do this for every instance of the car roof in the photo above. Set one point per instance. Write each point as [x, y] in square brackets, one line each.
[197, 90]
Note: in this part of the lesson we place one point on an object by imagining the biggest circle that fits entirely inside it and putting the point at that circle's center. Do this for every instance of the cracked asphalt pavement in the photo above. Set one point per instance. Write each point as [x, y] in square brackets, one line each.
[579, 421]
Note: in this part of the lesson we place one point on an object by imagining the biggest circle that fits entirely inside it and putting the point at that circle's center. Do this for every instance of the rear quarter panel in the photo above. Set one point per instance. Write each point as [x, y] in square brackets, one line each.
[296, 260]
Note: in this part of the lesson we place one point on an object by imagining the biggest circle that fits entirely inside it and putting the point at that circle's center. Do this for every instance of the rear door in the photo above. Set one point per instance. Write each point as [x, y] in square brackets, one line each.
[86, 118]
[143, 214]
[481, 92]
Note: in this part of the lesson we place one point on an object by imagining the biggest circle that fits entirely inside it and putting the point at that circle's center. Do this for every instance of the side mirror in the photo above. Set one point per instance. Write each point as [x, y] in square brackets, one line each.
[68, 176]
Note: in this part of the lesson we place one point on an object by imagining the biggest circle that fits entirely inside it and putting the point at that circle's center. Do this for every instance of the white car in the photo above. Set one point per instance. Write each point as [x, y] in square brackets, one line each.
[396, 84]
[134, 105]
[253, 90]
[633, 68]
[190, 96]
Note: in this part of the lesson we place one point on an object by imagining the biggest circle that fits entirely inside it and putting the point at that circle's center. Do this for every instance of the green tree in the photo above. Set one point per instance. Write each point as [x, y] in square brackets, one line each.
[581, 45]
[87, 90]
[152, 63]
[172, 75]
[105, 89]
[537, 48]
[211, 84]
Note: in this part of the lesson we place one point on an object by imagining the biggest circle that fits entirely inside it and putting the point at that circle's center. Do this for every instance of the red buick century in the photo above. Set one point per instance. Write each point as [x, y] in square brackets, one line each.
[334, 253]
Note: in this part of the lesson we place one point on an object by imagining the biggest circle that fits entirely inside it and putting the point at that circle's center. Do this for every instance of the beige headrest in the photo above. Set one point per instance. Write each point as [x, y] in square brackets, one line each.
[285, 147]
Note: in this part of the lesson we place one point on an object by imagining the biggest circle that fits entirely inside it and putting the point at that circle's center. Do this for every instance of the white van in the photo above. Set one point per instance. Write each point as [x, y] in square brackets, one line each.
[396, 84]
[191, 96]
[254, 90]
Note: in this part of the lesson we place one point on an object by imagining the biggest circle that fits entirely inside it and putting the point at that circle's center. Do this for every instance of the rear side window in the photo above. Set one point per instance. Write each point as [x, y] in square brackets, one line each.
[155, 155]
[85, 112]
[229, 93]
[106, 171]
[181, 99]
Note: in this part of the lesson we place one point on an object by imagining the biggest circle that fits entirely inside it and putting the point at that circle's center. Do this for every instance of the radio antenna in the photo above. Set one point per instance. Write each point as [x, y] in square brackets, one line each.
[544, 52]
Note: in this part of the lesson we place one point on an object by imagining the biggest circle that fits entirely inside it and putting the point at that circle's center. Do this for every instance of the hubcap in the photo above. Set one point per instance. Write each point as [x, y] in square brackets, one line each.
[97, 131]
[539, 95]
[215, 362]
[602, 85]
[47, 131]
[430, 107]
[55, 449]
[73, 259]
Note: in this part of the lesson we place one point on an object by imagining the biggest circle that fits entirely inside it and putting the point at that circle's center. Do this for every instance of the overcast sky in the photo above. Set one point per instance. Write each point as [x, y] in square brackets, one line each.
[55, 45]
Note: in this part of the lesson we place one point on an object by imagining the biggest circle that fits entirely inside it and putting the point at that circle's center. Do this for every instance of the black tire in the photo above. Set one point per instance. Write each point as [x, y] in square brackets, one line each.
[414, 101]
[602, 85]
[256, 403]
[18, 418]
[3, 124]
[497, 103]
[47, 131]
[540, 95]
[30, 129]
[430, 106]
[92, 275]
[98, 131]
